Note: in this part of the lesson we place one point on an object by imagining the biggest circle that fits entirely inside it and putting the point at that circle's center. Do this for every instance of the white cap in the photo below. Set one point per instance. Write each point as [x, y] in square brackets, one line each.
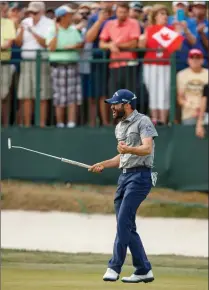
[199, 3]
[36, 6]
[185, 3]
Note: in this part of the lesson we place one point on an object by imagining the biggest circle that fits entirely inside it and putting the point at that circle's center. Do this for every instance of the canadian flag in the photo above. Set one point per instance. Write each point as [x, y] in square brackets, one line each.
[168, 39]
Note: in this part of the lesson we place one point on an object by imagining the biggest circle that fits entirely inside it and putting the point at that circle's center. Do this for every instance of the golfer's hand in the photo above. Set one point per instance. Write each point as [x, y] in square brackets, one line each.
[96, 168]
[123, 148]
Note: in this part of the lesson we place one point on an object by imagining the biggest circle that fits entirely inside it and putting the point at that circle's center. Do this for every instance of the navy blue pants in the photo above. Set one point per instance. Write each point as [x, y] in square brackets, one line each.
[133, 188]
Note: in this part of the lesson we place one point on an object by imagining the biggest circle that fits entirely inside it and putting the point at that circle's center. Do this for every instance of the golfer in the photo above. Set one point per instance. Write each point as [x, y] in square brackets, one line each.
[135, 134]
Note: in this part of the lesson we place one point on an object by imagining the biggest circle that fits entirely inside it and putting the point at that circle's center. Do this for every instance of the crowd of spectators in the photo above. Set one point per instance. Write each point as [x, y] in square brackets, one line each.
[114, 30]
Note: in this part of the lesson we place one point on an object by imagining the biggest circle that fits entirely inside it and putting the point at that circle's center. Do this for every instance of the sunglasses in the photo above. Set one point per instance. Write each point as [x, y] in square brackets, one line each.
[33, 13]
[195, 57]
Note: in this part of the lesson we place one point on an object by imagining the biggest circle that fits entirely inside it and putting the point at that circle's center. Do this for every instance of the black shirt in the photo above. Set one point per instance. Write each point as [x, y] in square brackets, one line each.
[205, 94]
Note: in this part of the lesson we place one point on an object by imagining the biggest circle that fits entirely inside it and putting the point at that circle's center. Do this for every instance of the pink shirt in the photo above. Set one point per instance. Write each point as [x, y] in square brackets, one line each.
[121, 33]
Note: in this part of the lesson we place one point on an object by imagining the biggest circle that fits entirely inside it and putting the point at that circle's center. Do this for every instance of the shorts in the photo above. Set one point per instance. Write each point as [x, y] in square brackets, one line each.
[6, 79]
[157, 81]
[123, 78]
[27, 82]
[66, 84]
[99, 80]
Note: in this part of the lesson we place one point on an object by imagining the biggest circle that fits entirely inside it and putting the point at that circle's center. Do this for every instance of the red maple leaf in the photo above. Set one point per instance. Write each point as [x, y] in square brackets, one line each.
[165, 37]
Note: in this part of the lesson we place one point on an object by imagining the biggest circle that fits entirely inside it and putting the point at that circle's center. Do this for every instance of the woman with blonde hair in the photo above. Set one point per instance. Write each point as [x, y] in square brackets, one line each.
[157, 64]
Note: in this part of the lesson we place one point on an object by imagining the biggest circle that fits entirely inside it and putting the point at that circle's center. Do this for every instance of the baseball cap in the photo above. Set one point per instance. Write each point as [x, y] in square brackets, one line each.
[185, 3]
[195, 52]
[84, 5]
[121, 97]
[36, 6]
[63, 10]
[15, 5]
[136, 6]
[199, 3]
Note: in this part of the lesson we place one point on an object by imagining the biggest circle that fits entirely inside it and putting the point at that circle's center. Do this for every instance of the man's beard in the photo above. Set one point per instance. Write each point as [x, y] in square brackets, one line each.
[120, 114]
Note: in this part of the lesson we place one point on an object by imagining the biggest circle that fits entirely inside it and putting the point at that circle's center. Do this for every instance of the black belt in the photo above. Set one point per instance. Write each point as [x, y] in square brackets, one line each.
[135, 169]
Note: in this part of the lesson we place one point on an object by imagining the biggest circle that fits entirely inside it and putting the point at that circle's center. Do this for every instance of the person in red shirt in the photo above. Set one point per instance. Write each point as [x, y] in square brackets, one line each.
[157, 65]
[119, 36]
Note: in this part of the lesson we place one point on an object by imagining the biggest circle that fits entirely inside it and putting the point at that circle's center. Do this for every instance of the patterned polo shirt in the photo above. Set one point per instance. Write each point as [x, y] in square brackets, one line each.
[132, 131]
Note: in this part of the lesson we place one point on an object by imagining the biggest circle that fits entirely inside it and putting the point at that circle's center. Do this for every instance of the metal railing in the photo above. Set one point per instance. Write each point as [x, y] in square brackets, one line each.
[138, 84]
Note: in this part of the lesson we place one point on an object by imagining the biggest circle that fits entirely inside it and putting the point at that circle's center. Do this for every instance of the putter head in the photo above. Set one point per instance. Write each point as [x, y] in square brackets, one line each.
[9, 143]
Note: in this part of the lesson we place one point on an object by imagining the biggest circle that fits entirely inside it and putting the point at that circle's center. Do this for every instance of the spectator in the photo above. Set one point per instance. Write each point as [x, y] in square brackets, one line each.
[157, 65]
[8, 34]
[66, 83]
[95, 6]
[190, 11]
[190, 83]
[89, 103]
[15, 13]
[81, 17]
[99, 71]
[50, 13]
[146, 13]
[204, 112]
[119, 35]
[136, 12]
[202, 26]
[187, 28]
[32, 36]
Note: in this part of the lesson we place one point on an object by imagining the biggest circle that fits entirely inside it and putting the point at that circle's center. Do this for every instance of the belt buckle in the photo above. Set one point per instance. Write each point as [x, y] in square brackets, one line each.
[124, 170]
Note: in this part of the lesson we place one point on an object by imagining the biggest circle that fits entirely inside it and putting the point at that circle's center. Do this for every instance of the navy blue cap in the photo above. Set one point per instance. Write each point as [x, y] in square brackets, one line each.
[121, 97]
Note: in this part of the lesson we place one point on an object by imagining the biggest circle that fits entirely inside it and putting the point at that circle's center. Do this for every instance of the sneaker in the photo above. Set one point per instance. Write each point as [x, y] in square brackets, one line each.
[71, 125]
[110, 275]
[139, 278]
[60, 125]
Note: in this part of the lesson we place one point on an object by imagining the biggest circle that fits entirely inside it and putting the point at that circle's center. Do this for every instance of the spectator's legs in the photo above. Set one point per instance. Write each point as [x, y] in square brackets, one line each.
[99, 84]
[43, 112]
[27, 112]
[59, 76]
[103, 111]
[25, 91]
[5, 112]
[92, 112]
[6, 79]
[74, 93]
[150, 80]
[59, 111]
[163, 94]
[44, 92]
[72, 110]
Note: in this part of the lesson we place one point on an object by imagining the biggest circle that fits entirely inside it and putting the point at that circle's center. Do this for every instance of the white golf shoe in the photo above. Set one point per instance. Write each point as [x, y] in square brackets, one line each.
[110, 275]
[139, 278]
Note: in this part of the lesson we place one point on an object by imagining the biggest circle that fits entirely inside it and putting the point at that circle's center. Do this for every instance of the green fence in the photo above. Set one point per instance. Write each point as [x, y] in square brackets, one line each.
[37, 67]
[181, 158]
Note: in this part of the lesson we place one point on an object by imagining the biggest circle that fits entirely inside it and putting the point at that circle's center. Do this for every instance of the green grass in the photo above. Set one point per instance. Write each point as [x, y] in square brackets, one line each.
[45, 271]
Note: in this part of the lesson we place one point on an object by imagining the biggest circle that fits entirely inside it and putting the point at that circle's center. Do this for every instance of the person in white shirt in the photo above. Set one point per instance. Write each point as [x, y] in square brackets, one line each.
[31, 37]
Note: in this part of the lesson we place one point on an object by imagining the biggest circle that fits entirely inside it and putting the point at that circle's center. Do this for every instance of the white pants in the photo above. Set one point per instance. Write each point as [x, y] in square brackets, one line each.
[157, 81]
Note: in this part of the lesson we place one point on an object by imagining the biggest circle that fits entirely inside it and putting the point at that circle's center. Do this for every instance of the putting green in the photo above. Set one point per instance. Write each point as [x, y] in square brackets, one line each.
[46, 271]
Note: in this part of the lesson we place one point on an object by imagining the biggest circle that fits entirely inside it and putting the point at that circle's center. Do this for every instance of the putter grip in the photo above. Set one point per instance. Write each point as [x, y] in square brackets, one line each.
[75, 163]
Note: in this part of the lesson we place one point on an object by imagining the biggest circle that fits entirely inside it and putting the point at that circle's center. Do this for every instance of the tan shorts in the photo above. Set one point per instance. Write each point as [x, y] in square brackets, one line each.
[27, 82]
[5, 80]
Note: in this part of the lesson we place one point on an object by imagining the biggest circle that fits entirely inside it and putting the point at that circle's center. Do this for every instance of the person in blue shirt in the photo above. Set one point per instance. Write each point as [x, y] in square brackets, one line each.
[202, 29]
[187, 28]
[99, 70]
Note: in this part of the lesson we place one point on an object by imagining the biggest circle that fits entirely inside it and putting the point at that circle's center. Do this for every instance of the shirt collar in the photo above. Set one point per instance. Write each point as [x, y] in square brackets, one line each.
[121, 24]
[131, 116]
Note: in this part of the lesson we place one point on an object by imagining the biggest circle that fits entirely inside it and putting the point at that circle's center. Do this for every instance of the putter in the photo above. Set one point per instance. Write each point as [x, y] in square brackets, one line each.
[10, 146]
